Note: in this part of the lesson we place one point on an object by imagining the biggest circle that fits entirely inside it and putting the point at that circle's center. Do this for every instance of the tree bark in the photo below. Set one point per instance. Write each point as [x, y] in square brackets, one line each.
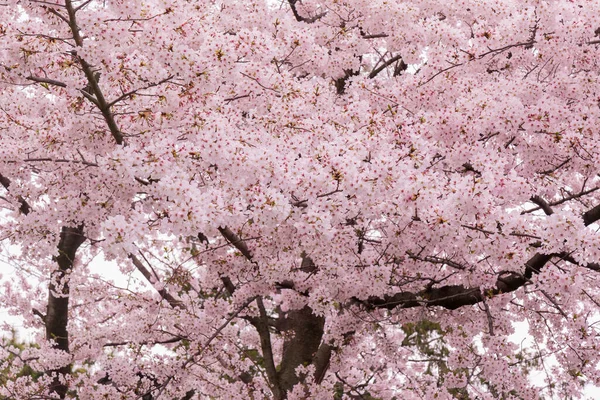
[306, 332]
[456, 296]
[57, 311]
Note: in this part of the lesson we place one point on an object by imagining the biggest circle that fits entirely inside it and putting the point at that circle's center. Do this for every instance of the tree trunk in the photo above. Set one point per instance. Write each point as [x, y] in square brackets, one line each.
[57, 311]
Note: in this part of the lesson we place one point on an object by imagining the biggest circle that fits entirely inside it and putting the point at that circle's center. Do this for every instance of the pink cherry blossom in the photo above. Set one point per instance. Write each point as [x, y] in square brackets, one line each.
[300, 199]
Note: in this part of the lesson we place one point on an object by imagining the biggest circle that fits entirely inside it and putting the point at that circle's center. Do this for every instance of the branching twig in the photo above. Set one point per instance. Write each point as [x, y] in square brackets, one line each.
[440, 72]
[219, 329]
[563, 200]
[556, 305]
[134, 91]
[386, 64]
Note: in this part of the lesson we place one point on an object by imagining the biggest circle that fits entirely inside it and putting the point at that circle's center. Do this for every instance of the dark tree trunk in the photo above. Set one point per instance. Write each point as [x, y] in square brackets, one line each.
[57, 311]
[306, 332]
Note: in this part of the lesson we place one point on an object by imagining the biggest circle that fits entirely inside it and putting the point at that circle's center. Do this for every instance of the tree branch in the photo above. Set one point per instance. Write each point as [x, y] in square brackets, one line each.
[591, 216]
[437, 260]
[220, 328]
[386, 64]
[300, 347]
[59, 160]
[173, 302]
[46, 80]
[100, 101]
[54, 12]
[564, 199]
[237, 242]
[507, 47]
[321, 361]
[456, 296]
[145, 343]
[440, 72]
[262, 327]
[543, 204]
[24, 207]
[57, 310]
[299, 18]
[133, 92]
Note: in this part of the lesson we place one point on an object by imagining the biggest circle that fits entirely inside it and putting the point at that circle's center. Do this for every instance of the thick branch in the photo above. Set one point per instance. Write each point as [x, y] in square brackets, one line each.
[58, 301]
[57, 310]
[4, 181]
[456, 296]
[91, 76]
[321, 361]
[386, 64]
[236, 242]
[262, 327]
[229, 286]
[299, 18]
[46, 80]
[24, 206]
[543, 204]
[85, 92]
[373, 36]
[302, 331]
[340, 83]
[591, 216]
[241, 246]
[173, 302]
[306, 332]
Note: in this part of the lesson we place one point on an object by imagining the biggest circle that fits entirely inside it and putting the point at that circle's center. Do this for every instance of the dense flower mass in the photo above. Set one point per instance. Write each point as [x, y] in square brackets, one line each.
[305, 199]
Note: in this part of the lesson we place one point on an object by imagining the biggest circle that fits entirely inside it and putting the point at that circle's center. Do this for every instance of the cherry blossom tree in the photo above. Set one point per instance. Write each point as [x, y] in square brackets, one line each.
[307, 199]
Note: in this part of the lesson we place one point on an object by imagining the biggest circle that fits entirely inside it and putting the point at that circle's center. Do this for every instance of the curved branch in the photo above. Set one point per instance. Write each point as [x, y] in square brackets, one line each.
[386, 64]
[543, 204]
[456, 296]
[299, 18]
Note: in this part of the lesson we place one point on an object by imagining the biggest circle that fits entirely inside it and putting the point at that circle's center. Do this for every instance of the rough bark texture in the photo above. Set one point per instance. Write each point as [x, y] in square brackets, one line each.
[57, 311]
[305, 334]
